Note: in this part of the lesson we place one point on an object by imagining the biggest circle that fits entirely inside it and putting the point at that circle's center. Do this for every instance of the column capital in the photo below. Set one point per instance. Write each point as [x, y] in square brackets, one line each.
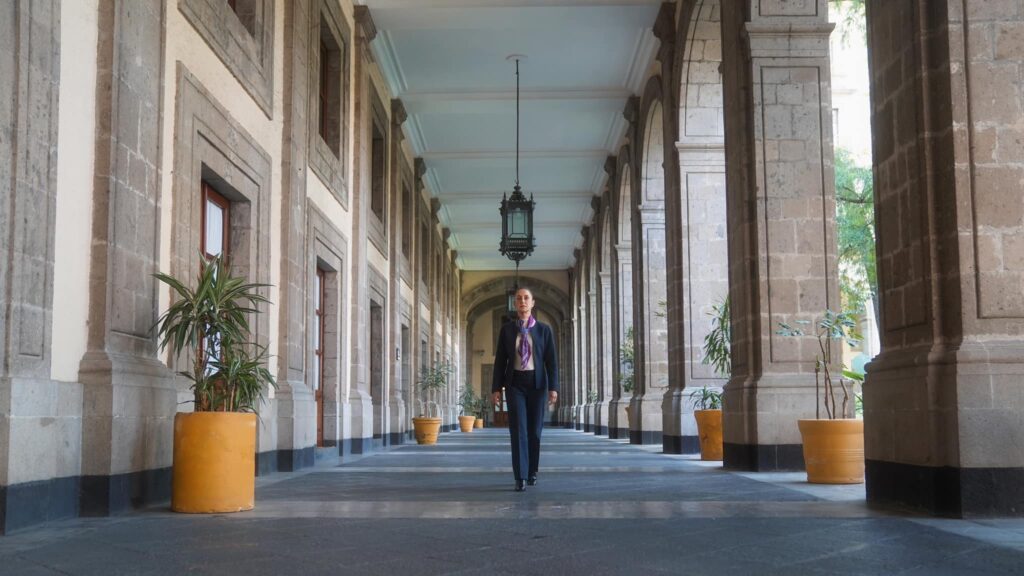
[364, 23]
[787, 39]
[398, 112]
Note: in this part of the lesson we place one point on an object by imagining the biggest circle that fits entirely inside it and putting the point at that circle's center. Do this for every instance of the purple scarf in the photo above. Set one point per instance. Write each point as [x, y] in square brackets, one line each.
[524, 342]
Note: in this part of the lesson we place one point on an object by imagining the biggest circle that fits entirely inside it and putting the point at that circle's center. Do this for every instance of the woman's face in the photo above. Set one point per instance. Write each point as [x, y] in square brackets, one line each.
[524, 301]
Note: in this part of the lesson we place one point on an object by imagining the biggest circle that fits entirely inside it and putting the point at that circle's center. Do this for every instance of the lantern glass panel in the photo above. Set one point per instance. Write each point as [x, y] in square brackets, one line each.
[517, 226]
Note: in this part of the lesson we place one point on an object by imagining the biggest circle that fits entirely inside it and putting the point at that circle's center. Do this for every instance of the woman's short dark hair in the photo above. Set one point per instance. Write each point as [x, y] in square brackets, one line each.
[528, 289]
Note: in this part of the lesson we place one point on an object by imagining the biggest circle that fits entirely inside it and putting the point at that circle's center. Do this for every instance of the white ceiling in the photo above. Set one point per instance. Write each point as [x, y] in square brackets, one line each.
[446, 60]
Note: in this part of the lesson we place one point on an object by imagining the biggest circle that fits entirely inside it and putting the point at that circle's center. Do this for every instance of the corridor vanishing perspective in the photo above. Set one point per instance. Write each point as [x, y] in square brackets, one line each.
[345, 161]
[600, 507]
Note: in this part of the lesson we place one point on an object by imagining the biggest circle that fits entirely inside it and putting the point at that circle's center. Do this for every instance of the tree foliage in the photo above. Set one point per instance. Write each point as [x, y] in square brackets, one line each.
[855, 223]
[851, 17]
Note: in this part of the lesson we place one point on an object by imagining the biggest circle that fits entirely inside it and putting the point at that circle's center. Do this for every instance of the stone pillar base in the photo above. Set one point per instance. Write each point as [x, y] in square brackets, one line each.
[760, 422]
[646, 425]
[398, 422]
[127, 432]
[679, 435]
[618, 425]
[361, 409]
[942, 429]
[296, 426]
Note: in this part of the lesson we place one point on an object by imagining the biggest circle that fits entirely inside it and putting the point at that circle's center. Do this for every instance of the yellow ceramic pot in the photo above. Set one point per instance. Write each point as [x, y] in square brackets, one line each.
[466, 423]
[478, 423]
[214, 462]
[709, 429]
[426, 429]
[833, 450]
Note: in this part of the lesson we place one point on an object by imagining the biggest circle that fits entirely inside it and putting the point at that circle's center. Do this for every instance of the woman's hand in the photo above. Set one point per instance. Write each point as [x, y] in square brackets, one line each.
[496, 398]
[552, 397]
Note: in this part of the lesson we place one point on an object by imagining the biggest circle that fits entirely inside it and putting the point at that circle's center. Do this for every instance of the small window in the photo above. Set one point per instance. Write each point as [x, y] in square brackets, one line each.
[424, 263]
[407, 227]
[213, 239]
[246, 12]
[215, 230]
[318, 329]
[378, 158]
[330, 101]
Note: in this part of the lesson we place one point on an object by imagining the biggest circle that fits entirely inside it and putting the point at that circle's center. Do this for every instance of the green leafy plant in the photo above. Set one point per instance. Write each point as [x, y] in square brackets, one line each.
[211, 324]
[592, 396]
[468, 400]
[432, 380]
[833, 326]
[706, 399]
[718, 342]
[626, 358]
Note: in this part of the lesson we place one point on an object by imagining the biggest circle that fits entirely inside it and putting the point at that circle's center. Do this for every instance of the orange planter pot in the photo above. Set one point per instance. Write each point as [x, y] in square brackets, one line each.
[709, 429]
[426, 429]
[466, 423]
[833, 450]
[214, 462]
[478, 423]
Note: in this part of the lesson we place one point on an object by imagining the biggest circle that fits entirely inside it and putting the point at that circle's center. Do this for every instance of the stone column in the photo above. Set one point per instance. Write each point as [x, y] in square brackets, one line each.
[36, 471]
[296, 405]
[398, 418]
[943, 402]
[606, 355]
[698, 262]
[781, 216]
[359, 389]
[579, 380]
[624, 312]
[650, 274]
[129, 395]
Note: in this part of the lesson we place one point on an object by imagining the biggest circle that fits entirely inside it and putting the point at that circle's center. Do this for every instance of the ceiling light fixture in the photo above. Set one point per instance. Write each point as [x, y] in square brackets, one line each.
[517, 241]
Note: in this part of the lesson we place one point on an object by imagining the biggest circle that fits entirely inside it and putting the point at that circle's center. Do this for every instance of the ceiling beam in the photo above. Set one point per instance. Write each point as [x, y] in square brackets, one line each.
[489, 154]
[615, 93]
[454, 198]
[404, 4]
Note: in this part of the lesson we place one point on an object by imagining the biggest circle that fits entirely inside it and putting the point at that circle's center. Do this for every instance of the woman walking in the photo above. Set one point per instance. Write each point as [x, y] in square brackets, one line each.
[525, 366]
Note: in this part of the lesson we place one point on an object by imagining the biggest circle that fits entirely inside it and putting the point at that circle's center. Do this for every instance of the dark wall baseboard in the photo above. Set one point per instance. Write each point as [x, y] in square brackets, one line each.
[31, 503]
[601, 430]
[295, 459]
[680, 444]
[645, 436]
[618, 433]
[947, 491]
[763, 457]
[107, 495]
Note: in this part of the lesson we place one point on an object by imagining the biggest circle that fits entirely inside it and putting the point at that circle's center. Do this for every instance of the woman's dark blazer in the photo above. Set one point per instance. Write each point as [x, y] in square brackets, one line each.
[544, 363]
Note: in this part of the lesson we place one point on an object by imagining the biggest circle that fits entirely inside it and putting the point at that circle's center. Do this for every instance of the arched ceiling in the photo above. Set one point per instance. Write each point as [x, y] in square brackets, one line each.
[446, 61]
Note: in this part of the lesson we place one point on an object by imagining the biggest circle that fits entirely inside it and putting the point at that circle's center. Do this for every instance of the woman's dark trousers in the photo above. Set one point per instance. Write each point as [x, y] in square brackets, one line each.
[526, 406]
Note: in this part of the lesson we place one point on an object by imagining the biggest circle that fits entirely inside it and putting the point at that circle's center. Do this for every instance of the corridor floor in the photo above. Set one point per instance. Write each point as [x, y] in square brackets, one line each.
[600, 507]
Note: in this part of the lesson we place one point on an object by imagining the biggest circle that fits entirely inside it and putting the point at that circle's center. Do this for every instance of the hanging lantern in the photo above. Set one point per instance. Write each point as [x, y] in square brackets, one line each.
[517, 240]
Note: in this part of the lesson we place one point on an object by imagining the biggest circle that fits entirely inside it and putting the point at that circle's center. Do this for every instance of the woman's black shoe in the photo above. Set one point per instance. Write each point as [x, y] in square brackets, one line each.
[532, 481]
[520, 487]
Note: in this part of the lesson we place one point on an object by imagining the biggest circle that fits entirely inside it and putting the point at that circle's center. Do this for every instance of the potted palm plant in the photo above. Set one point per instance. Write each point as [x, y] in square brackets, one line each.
[468, 403]
[483, 407]
[707, 404]
[215, 445]
[833, 445]
[708, 401]
[432, 380]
